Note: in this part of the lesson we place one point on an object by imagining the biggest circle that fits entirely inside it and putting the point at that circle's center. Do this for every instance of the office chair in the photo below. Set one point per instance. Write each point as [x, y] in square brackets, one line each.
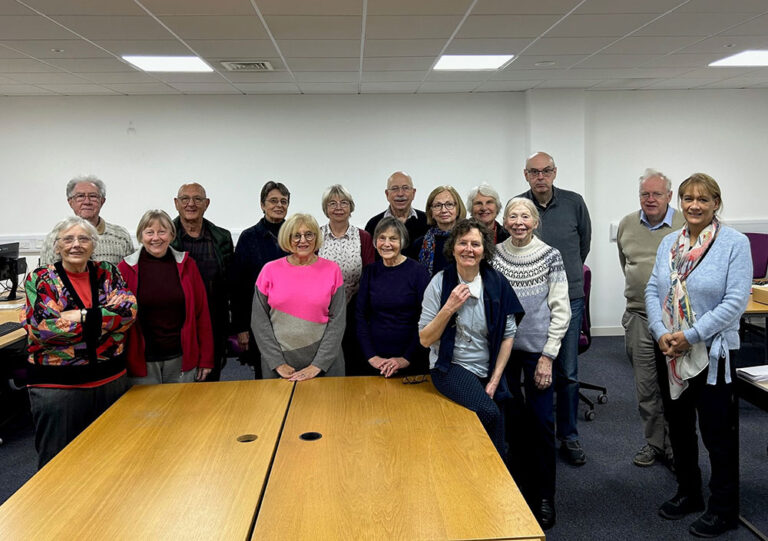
[758, 244]
[585, 340]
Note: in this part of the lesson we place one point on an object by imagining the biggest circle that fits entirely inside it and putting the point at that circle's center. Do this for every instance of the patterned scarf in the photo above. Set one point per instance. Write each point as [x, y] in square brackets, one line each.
[427, 252]
[677, 312]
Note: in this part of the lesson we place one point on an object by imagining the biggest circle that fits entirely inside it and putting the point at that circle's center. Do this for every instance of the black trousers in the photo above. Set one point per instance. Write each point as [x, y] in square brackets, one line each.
[717, 409]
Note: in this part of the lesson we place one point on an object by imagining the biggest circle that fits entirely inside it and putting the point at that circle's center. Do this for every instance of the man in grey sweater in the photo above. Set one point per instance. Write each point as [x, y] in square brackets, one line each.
[565, 225]
[638, 238]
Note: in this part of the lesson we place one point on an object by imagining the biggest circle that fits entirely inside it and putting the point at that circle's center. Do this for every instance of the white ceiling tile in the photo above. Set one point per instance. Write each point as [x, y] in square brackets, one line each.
[398, 63]
[459, 76]
[11, 7]
[683, 60]
[86, 7]
[260, 77]
[524, 7]
[314, 27]
[413, 27]
[418, 7]
[648, 45]
[118, 27]
[386, 88]
[727, 45]
[145, 88]
[527, 61]
[403, 47]
[23, 65]
[10, 53]
[309, 7]
[568, 83]
[31, 27]
[679, 84]
[72, 90]
[505, 26]
[755, 27]
[23, 90]
[144, 47]
[132, 77]
[393, 76]
[198, 7]
[487, 46]
[324, 64]
[91, 64]
[592, 7]
[600, 25]
[173, 78]
[720, 6]
[216, 27]
[617, 60]
[310, 48]
[329, 88]
[431, 88]
[233, 48]
[70, 48]
[269, 88]
[8, 81]
[694, 24]
[50, 78]
[740, 82]
[624, 84]
[326, 76]
[206, 88]
[720, 73]
[507, 86]
[558, 46]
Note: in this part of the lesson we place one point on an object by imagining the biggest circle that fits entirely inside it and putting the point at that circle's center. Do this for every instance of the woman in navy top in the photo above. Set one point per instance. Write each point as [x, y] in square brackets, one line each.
[389, 304]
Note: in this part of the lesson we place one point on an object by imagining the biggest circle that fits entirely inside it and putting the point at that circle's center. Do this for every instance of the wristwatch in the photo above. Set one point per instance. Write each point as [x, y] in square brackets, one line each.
[83, 313]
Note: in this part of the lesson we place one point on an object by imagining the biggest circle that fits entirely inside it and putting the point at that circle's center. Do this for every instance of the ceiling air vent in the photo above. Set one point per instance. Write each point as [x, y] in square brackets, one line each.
[248, 66]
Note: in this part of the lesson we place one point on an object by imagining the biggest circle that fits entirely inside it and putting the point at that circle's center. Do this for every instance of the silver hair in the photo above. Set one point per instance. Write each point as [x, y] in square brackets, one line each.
[67, 224]
[337, 190]
[91, 179]
[392, 223]
[486, 190]
[525, 202]
[650, 173]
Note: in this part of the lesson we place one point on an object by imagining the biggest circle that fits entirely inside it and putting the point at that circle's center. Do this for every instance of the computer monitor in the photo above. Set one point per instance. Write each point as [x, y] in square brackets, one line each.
[11, 266]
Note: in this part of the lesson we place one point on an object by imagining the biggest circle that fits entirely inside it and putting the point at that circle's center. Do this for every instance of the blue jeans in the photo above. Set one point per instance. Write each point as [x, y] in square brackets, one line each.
[567, 376]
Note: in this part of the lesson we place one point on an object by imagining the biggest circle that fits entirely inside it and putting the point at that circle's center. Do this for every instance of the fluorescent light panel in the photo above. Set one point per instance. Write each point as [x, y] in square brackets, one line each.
[187, 64]
[742, 59]
[477, 62]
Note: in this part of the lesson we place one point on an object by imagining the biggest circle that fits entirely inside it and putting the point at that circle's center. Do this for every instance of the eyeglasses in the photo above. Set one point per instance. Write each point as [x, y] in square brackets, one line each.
[547, 171]
[69, 240]
[344, 204]
[404, 188]
[80, 197]
[647, 195]
[413, 380]
[185, 199]
[308, 236]
[275, 201]
[447, 206]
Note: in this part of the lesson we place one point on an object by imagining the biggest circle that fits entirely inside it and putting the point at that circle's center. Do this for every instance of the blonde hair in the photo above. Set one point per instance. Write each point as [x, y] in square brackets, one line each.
[292, 224]
[153, 215]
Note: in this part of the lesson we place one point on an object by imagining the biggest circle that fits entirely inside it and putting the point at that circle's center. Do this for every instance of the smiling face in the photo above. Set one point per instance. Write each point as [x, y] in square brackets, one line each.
[156, 237]
[338, 210]
[303, 242]
[654, 199]
[520, 224]
[444, 210]
[699, 207]
[75, 247]
[275, 206]
[191, 203]
[388, 245]
[468, 250]
[86, 201]
[400, 192]
[484, 209]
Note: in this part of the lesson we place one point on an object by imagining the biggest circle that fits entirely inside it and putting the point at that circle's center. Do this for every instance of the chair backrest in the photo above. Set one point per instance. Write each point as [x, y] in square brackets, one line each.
[758, 243]
[585, 336]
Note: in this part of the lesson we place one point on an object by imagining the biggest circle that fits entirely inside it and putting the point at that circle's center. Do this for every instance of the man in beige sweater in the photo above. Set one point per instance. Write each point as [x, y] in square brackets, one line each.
[638, 238]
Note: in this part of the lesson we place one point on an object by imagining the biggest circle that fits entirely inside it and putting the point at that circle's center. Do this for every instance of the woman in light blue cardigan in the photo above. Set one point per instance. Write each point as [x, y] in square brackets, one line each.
[695, 297]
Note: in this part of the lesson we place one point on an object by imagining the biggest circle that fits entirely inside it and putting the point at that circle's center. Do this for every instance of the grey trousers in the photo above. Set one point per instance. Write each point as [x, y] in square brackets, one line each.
[639, 345]
[165, 372]
[61, 414]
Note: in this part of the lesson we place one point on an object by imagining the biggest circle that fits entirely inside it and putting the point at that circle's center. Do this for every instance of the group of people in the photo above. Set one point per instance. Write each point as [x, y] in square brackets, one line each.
[490, 305]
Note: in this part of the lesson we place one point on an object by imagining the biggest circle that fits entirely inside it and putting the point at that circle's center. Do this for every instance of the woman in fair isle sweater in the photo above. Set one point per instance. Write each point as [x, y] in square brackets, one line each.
[535, 271]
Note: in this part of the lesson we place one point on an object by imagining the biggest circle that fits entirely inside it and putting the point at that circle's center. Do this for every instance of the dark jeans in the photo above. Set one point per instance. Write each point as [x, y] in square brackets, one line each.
[718, 415]
[61, 414]
[468, 390]
[566, 376]
[530, 430]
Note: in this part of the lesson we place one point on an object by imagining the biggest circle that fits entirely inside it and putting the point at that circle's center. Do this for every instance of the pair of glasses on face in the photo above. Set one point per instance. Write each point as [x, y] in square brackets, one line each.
[197, 200]
[404, 189]
[343, 204]
[440, 206]
[274, 201]
[413, 380]
[309, 237]
[69, 240]
[647, 195]
[547, 172]
[80, 197]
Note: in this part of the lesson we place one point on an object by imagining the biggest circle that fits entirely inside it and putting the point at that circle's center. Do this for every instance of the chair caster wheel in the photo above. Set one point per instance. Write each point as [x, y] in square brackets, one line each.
[589, 415]
[602, 399]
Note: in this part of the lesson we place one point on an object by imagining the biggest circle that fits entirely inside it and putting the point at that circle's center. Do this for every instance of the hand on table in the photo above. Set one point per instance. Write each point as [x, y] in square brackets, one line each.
[390, 366]
[285, 371]
[305, 373]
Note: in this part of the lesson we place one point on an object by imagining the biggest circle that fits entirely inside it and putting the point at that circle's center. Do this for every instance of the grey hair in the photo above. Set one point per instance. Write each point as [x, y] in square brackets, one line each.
[524, 202]
[90, 179]
[337, 190]
[391, 222]
[650, 173]
[486, 190]
[67, 224]
[153, 215]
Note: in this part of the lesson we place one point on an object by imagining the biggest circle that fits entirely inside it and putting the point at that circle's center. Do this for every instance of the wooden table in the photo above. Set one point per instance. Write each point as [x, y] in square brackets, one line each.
[163, 462]
[15, 336]
[394, 462]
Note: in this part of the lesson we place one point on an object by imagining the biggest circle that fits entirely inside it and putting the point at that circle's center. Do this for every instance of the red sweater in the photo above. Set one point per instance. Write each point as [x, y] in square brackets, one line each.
[196, 333]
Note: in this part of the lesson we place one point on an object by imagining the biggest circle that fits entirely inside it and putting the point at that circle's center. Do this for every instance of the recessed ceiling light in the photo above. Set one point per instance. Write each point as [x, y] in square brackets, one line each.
[57, 50]
[168, 63]
[744, 58]
[465, 62]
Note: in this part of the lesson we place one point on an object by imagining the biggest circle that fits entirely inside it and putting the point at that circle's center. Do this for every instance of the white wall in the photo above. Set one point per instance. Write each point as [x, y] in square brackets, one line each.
[602, 142]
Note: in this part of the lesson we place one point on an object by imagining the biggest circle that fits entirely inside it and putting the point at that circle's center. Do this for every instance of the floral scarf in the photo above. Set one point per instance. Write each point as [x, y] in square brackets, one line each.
[427, 252]
[677, 311]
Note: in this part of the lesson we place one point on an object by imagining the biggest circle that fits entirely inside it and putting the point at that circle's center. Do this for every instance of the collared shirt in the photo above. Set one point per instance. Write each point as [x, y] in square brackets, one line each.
[203, 251]
[411, 214]
[666, 221]
[345, 251]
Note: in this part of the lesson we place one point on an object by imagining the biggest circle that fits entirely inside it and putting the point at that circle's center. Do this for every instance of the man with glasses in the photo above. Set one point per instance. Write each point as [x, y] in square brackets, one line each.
[564, 225]
[638, 238]
[212, 249]
[86, 195]
[400, 193]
